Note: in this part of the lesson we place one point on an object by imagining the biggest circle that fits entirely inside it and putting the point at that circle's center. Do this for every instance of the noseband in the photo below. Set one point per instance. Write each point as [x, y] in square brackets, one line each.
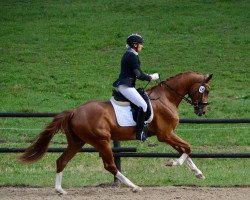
[199, 104]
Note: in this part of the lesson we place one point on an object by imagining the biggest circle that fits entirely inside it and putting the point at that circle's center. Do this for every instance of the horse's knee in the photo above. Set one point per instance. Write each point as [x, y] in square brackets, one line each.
[188, 149]
[185, 149]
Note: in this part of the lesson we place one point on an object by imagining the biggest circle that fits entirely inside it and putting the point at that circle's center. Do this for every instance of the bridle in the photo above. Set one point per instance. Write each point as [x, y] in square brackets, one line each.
[198, 104]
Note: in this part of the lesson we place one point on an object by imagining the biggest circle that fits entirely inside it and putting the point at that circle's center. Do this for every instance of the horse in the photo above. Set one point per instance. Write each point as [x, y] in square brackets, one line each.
[94, 123]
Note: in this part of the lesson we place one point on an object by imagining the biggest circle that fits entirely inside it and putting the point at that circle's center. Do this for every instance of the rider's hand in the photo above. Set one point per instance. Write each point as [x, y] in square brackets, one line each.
[154, 76]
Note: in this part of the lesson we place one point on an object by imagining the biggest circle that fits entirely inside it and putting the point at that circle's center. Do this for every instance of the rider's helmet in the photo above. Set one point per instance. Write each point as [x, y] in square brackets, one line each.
[134, 39]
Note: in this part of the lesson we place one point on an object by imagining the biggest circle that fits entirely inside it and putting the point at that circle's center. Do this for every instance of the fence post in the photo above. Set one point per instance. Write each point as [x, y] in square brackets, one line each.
[117, 144]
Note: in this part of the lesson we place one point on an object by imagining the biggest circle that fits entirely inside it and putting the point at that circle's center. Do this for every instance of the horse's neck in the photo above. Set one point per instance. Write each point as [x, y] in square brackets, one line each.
[177, 87]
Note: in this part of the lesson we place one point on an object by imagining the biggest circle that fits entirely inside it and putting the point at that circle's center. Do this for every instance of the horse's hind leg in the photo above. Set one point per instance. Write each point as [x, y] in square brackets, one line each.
[109, 164]
[62, 161]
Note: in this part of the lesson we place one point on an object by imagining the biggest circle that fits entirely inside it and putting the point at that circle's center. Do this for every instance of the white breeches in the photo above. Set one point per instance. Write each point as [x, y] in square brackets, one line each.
[132, 94]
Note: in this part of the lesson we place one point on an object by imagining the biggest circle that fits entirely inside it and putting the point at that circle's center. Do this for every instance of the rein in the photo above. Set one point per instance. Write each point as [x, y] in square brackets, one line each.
[199, 103]
[187, 99]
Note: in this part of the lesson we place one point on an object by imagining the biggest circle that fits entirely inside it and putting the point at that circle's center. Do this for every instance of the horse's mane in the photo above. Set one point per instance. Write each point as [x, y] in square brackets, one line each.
[176, 76]
[181, 74]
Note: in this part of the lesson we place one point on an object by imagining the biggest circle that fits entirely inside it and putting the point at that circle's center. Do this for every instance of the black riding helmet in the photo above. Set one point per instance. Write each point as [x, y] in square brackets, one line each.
[134, 39]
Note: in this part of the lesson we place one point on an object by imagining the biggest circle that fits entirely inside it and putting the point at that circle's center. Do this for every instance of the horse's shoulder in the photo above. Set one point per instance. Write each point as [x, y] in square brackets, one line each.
[167, 110]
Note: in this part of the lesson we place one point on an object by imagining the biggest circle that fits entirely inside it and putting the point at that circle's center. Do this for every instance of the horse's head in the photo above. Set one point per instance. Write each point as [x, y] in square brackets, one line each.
[198, 93]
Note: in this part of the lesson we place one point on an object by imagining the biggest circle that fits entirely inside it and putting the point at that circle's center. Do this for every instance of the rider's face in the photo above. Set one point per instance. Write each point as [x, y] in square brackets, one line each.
[138, 47]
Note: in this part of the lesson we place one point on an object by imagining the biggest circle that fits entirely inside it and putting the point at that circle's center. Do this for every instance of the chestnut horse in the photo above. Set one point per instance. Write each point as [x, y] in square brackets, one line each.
[95, 123]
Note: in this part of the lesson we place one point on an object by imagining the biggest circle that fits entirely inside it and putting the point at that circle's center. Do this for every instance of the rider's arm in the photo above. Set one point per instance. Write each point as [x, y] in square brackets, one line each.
[135, 63]
[142, 76]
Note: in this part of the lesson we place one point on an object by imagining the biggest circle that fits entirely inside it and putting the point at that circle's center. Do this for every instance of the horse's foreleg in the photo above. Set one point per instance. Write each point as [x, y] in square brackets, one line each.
[181, 146]
[195, 169]
[109, 164]
[177, 162]
[184, 149]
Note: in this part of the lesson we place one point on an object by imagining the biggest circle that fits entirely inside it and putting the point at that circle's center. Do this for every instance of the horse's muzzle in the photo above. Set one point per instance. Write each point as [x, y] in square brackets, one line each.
[199, 112]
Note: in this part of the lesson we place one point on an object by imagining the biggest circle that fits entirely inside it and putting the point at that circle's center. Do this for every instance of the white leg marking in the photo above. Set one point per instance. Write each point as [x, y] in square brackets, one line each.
[181, 160]
[195, 169]
[58, 184]
[177, 162]
[127, 182]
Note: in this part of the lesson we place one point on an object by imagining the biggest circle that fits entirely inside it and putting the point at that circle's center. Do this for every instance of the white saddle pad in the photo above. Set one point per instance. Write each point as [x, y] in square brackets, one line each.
[124, 115]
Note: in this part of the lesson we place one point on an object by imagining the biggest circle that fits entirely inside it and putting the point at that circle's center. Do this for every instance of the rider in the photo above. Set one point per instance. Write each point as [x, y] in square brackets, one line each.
[130, 71]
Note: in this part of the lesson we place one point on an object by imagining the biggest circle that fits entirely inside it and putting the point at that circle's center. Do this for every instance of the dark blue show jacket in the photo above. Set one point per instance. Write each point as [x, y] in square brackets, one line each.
[130, 70]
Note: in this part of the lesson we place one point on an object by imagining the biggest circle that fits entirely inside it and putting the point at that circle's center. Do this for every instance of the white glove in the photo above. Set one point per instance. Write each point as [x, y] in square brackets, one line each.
[154, 76]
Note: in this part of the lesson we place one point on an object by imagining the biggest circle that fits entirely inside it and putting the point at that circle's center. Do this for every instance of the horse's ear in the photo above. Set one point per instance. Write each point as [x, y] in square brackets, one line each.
[209, 78]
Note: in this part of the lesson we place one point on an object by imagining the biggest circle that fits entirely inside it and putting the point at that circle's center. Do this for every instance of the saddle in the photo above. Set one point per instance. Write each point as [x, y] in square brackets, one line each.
[134, 109]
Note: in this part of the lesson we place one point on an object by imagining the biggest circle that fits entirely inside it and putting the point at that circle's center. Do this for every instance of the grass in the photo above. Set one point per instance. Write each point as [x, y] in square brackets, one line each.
[57, 55]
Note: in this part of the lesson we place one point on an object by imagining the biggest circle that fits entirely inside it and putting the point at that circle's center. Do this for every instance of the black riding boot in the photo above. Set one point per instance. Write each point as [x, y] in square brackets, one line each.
[141, 127]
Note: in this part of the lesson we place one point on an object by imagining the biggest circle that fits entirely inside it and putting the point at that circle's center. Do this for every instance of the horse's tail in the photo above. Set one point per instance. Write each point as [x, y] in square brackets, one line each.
[40, 145]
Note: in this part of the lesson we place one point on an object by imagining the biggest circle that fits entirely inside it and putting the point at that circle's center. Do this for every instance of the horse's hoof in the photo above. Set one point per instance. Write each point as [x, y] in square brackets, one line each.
[137, 189]
[60, 191]
[169, 163]
[200, 176]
